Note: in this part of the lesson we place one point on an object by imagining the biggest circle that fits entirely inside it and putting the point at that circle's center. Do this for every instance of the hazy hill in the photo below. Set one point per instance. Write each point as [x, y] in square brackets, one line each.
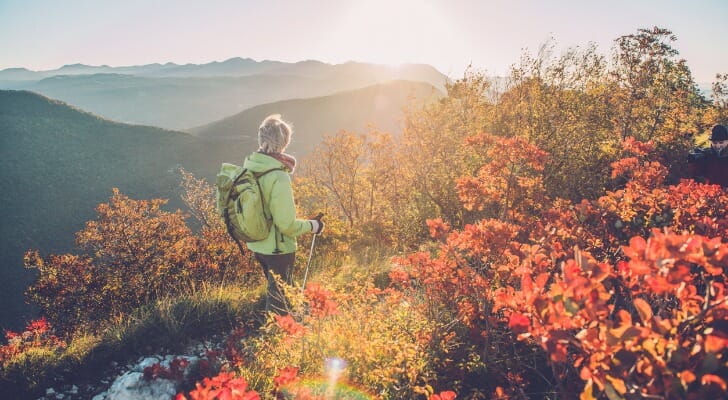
[381, 104]
[58, 163]
[182, 96]
[173, 103]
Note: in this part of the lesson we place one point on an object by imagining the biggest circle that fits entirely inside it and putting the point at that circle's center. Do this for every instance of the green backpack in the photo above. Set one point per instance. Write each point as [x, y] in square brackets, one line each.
[240, 203]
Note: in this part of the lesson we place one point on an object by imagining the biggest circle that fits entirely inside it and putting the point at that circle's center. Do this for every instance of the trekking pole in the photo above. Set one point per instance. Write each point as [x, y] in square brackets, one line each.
[310, 255]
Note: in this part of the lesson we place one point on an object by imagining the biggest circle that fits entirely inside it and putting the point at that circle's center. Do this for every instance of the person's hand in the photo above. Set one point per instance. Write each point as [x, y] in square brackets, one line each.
[317, 225]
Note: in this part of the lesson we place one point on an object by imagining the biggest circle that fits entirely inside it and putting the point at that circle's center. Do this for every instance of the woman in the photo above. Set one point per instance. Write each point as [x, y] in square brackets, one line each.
[277, 253]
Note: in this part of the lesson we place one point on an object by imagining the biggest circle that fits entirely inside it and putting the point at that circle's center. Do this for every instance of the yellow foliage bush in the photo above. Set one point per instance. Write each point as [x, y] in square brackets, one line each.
[379, 338]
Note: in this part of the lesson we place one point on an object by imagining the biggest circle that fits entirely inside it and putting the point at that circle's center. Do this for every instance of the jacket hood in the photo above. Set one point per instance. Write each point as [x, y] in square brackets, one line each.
[259, 162]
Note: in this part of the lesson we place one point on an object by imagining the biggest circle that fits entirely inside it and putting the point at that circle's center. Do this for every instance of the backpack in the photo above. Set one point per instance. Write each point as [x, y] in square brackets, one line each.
[240, 203]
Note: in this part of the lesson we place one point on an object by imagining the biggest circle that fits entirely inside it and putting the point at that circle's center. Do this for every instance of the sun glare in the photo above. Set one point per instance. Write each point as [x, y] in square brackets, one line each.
[394, 32]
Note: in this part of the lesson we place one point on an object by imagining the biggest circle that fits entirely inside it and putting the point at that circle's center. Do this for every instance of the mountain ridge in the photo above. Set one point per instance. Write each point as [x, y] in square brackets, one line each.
[160, 69]
[183, 96]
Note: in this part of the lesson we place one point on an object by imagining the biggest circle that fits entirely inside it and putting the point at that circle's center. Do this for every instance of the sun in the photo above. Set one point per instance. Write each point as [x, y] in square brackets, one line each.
[394, 32]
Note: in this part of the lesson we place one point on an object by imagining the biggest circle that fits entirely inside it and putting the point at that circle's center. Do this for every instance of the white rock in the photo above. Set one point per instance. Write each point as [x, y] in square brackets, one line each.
[74, 389]
[50, 392]
[132, 386]
[100, 396]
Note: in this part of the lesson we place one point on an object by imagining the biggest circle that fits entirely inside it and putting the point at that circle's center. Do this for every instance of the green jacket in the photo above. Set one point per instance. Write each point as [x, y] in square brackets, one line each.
[278, 200]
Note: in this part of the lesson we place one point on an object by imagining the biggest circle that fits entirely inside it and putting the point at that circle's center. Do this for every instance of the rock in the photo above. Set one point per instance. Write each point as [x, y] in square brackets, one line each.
[133, 386]
[125, 381]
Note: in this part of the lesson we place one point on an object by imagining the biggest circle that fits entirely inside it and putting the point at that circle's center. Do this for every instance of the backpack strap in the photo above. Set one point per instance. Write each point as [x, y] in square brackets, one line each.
[262, 203]
[259, 174]
[260, 190]
[229, 226]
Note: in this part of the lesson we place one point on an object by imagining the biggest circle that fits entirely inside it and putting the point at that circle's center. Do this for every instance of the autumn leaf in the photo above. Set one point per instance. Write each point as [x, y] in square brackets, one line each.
[644, 310]
[709, 379]
[519, 323]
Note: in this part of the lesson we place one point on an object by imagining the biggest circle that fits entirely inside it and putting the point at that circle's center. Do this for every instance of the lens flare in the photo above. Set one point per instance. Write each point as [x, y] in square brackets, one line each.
[327, 387]
[334, 367]
[321, 389]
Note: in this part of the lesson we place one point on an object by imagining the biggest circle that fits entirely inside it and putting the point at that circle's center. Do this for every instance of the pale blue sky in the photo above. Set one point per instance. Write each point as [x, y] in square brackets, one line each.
[448, 34]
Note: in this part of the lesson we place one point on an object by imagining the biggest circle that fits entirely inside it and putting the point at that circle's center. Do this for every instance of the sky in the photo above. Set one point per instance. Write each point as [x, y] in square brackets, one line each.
[490, 35]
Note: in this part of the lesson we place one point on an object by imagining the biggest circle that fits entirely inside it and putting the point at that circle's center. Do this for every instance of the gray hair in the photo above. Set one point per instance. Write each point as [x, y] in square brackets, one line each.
[274, 134]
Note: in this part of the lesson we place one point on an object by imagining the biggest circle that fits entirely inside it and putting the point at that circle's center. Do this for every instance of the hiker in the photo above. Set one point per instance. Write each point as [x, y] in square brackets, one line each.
[710, 165]
[277, 252]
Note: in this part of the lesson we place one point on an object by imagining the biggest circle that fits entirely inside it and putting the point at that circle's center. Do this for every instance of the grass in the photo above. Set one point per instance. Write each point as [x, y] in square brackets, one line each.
[340, 269]
[171, 322]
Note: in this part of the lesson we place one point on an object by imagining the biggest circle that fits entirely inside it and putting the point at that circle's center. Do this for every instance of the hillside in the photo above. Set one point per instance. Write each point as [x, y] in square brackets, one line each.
[173, 103]
[182, 96]
[58, 163]
[382, 104]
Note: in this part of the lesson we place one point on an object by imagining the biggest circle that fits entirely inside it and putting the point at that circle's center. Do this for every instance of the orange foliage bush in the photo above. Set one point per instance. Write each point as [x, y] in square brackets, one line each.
[642, 313]
[446, 395]
[319, 299]
[641, 327]
[224, 386]
[134, 253]
[510, 184]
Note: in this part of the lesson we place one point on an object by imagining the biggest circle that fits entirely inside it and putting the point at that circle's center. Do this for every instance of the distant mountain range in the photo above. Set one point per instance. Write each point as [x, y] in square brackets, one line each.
[57, 162]
[236, 67]
[183, 96]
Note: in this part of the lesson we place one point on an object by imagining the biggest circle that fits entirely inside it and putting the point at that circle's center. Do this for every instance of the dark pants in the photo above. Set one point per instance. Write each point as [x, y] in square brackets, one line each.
[281, 265]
